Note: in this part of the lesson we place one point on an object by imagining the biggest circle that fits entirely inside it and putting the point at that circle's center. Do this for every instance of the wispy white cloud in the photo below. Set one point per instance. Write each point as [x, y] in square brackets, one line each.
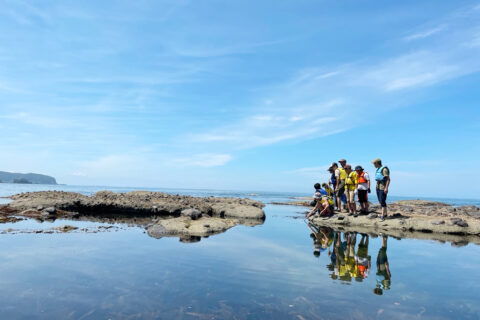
[212, 51]
[113, 165]
[280, 124]
[425, 34]
[319, 101]
[204, 160]
[319, 173]
[41, 121]
[418, 69]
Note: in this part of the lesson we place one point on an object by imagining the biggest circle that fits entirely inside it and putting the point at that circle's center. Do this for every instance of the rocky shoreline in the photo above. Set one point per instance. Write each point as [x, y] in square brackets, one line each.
[420, 216]
[161, 214]
[190, 218]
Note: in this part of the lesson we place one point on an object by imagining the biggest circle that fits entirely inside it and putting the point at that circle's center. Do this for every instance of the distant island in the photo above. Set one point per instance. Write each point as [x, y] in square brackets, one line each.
[26, 178]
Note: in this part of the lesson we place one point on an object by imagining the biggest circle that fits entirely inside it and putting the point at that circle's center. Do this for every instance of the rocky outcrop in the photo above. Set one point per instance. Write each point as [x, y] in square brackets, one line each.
[138, 203]
[162, 214]
[413, 215]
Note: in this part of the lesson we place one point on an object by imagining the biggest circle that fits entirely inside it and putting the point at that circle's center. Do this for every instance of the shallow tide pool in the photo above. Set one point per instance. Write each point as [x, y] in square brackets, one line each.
[279, 270]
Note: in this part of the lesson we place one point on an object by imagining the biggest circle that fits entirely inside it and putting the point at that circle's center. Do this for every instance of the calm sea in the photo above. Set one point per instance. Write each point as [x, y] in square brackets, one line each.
[279, 270]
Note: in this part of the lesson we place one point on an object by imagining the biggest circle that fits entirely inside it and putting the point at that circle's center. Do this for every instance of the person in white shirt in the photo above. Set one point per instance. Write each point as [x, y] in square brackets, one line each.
[363, 187]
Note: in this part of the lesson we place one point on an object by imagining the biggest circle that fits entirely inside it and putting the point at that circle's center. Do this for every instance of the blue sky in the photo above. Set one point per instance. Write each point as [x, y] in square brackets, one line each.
[250, 95]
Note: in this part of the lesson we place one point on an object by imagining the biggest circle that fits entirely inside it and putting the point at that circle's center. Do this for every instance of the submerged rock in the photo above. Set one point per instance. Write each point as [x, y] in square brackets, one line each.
[185, 226]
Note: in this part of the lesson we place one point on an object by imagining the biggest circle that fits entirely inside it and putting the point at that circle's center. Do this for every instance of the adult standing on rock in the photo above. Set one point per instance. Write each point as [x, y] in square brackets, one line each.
[341, 176]
[382, 176]
[333, 182]
[363, 187]
[350, 186]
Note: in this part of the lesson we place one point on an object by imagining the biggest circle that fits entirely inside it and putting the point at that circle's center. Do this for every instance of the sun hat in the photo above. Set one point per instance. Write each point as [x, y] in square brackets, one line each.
[376, 160]
[358, 168]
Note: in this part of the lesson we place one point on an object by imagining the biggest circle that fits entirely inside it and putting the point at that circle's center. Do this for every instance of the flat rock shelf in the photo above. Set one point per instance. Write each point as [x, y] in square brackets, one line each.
[419, 216]
[162, 214]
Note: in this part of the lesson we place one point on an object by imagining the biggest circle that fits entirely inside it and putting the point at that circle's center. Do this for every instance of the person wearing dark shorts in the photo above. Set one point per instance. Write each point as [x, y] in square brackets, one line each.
[382, 176]
[363, 187]
[341, 176]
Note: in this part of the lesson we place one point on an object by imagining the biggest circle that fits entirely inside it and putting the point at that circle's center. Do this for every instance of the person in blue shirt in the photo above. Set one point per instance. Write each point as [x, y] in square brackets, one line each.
[382, 176]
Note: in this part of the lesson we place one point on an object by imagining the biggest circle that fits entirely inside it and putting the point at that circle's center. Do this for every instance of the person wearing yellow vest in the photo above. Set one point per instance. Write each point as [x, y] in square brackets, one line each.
[350, 186]
[340, 176]
[363, 187]
[382, 176]
[327, 188]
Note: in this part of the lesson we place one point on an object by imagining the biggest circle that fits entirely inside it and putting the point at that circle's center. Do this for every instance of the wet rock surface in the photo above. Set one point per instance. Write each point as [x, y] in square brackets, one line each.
[161, 214]
[410, 215]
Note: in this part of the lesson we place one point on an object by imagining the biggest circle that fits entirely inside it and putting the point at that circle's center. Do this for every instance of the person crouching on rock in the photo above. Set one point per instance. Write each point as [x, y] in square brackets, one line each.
[363, 187]
[324, 207]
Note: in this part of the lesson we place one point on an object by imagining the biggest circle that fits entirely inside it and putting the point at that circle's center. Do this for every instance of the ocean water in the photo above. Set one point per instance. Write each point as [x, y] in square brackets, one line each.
[281, 269]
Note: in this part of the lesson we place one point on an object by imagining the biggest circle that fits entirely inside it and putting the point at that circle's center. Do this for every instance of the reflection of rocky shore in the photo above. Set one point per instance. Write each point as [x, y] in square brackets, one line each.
[410, 215]
[160, 213]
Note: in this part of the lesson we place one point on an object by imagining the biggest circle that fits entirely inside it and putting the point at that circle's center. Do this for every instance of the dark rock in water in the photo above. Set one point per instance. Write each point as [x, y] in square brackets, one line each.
[193, 214]
[66, 228]
[190, 239]
[341, 217]
[459, 243]
[438, 222]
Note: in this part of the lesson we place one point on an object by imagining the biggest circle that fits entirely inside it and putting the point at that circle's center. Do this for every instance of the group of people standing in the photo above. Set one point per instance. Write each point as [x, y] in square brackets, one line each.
[345, 184]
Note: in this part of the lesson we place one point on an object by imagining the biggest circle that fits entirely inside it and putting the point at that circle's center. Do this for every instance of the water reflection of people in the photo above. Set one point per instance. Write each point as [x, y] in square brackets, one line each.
[350, 254]
[363, 259]
[322, 239]
[383, 269]
[346, 260]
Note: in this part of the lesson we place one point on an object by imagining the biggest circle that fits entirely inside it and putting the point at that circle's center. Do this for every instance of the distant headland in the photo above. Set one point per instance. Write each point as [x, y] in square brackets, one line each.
[26, 178]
